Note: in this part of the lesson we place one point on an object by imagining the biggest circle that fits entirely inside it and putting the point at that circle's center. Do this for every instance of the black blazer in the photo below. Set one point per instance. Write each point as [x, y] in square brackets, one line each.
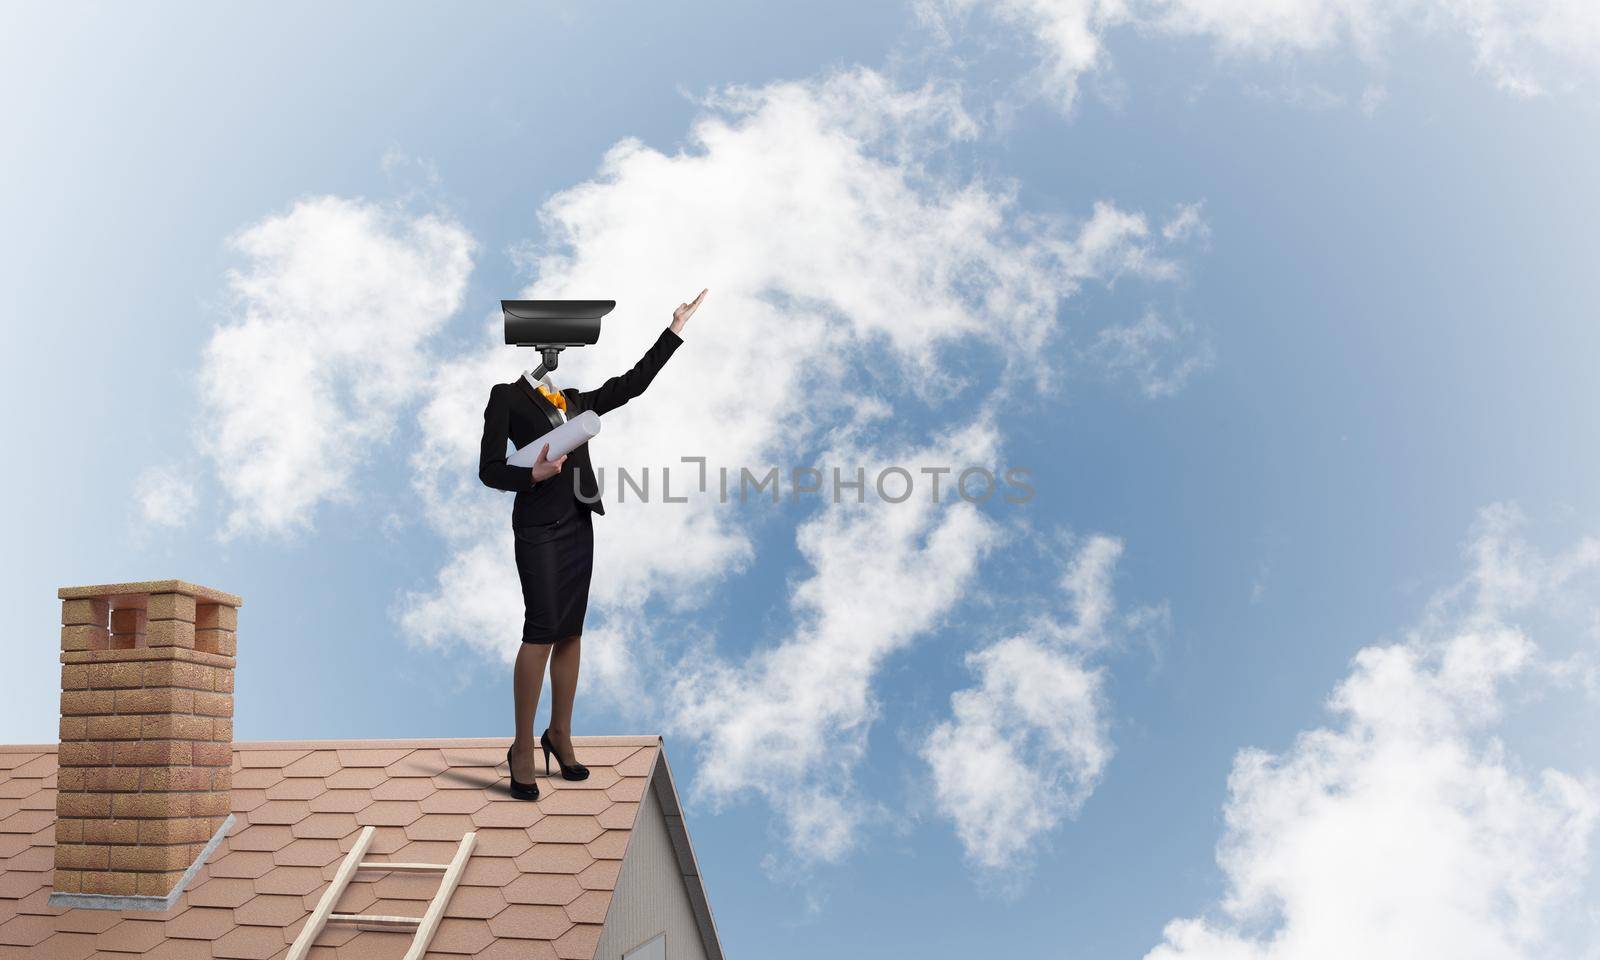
[518, 411]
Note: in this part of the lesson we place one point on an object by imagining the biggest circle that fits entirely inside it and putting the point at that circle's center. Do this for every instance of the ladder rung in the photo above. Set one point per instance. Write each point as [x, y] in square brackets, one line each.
[374, 920]
[330, 897]
[432, 917]
[424, 926]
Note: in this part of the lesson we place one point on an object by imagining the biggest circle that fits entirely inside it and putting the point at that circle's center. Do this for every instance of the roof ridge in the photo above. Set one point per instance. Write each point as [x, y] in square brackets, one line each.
[600, 740]
[597, 740]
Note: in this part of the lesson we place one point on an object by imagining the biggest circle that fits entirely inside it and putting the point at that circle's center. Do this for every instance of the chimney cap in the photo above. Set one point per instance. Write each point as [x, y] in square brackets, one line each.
[146, 587]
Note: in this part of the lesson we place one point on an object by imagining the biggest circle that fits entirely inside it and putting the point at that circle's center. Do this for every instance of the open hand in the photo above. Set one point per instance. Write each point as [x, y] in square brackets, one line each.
[545, 469]
[681, 316]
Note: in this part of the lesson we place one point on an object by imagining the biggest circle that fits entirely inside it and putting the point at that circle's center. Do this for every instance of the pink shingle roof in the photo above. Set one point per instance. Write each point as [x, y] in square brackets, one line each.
[538, 884]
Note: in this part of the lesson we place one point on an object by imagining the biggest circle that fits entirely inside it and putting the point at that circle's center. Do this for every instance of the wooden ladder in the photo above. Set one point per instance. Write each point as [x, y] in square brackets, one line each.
[424, 925]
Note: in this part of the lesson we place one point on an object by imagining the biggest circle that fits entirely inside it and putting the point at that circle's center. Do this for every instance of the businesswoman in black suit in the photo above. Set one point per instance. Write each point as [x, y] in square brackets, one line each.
[555, 541]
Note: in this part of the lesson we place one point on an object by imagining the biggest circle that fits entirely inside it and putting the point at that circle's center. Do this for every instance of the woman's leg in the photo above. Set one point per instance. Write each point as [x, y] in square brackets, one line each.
[526, 678]
[563, 688]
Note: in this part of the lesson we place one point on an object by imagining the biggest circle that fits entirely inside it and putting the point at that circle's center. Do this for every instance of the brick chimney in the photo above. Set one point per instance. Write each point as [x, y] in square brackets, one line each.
[143, 790]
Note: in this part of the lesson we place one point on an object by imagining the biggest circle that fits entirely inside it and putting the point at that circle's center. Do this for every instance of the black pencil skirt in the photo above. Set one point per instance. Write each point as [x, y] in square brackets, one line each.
[554, 561]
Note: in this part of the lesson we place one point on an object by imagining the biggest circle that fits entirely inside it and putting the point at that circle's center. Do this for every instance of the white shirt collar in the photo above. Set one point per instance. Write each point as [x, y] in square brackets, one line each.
[549, 385]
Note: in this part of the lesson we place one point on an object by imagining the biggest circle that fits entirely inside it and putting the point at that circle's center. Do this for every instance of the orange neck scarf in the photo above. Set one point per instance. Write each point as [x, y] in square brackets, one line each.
[555, 398]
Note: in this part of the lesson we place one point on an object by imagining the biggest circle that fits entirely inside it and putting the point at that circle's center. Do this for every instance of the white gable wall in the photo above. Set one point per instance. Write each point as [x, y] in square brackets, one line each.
[651, 896]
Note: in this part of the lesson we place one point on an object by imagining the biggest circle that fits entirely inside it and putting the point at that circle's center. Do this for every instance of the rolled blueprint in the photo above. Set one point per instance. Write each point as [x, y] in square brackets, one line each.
[563, 440]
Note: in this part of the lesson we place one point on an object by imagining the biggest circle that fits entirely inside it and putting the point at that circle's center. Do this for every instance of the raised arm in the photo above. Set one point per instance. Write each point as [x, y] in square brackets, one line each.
[620, 389]
[624, 387]
[492, 467]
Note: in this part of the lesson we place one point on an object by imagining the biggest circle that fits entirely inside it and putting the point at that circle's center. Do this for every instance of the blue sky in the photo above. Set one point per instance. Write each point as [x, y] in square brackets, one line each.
[1289, 314]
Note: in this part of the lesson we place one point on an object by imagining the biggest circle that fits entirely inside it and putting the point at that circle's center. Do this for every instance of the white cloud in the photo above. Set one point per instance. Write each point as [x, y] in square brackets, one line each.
[333, 307]
[1087, 583]
[1242, 27]
[166, 496]
[1530, 47]
[1068, 35]
[1408, 828]
[1022, 749]
[1187, 223]
[1160, 355]
[1025, 747]
[843, 274]
[1112, 243]
[1525, 47]
[882, 574]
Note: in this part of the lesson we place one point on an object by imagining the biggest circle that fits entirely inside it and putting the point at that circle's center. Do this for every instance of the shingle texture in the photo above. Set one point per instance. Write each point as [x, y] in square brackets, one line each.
[538, 885]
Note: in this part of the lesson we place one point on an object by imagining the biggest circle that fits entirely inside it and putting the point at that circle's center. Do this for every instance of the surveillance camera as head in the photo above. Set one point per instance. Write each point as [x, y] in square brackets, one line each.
[553, 325]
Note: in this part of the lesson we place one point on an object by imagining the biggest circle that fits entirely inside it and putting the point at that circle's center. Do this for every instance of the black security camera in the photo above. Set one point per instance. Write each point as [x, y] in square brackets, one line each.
[551, 326]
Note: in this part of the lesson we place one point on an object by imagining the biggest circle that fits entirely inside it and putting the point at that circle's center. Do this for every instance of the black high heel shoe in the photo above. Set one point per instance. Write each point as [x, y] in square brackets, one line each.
[520, 790]
[576, 771]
